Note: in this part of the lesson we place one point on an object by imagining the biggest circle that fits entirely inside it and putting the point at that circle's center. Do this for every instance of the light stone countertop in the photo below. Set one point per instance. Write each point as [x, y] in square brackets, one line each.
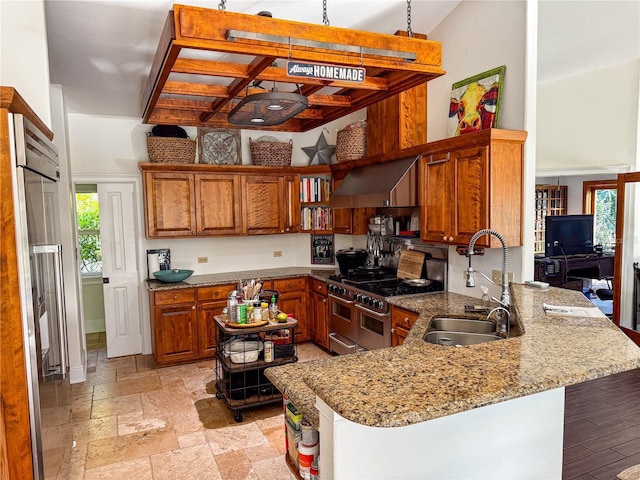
[419, 381]
[213, 279]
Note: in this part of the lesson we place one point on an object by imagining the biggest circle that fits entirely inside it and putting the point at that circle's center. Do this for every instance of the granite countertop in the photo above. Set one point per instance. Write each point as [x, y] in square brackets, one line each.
[419, 381]
[213, 279]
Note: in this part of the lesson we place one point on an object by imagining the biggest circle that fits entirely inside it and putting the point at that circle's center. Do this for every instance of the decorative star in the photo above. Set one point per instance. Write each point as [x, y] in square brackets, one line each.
[321, 153]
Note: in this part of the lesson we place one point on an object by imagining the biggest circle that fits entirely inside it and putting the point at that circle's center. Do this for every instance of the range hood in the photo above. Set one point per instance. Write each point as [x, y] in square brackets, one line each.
[390, 184]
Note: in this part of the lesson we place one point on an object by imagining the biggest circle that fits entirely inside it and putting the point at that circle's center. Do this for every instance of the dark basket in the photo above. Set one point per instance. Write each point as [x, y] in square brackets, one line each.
[271, 154]
[171, 150]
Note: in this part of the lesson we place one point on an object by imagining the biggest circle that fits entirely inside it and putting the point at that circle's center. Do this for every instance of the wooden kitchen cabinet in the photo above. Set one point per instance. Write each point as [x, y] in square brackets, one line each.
[217, 201]
[470, 183]
[211, 301]
[170, 204]
[270, 204]
[319, 312]
[187, 204]
[401, 322]
[293, 300]
[182, 327]
[174, 327]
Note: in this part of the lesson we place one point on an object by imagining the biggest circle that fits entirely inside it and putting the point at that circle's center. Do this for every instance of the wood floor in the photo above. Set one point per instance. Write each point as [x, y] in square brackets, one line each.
[602, 427]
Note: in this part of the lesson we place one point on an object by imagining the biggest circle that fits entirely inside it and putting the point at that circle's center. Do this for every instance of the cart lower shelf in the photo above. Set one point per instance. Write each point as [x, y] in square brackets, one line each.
[254, 400]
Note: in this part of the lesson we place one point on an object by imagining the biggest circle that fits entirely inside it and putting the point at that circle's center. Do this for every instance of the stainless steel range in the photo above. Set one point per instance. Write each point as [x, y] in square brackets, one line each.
[359, 314]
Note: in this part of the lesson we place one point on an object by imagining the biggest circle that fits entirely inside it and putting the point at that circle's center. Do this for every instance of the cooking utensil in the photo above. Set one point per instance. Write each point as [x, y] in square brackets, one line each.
[417, 282]
[350, 258]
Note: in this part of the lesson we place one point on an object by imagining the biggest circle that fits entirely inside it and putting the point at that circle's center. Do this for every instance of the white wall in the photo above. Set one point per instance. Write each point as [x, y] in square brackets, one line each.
[588, 123]
[24, 60]
[574, 185]
[113, 146]
[476, 37]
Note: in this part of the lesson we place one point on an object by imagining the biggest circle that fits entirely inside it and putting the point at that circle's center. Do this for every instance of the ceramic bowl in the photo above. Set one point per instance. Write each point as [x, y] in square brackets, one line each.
[172, 276]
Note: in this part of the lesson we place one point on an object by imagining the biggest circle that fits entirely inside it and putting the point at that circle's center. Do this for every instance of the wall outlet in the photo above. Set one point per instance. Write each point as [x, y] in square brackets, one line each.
[496, 276]
[203, 259]
[277, 253]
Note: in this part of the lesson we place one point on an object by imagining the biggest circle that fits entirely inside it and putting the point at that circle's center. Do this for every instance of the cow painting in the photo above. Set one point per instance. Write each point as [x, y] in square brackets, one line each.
[474, 103]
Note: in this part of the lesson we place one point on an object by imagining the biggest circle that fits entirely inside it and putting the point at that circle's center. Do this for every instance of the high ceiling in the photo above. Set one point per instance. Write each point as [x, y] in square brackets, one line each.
[101, 50]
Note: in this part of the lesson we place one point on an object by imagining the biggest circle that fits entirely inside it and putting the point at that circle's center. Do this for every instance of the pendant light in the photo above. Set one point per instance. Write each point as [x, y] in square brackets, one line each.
[267, 108]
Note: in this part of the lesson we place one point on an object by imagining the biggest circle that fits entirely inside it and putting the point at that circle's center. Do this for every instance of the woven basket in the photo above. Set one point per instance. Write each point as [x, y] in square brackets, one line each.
[171, 150]
[351, 144]
[271, 154]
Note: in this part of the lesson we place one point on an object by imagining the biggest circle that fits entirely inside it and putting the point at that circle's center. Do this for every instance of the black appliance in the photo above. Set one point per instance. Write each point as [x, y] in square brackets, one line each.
[568, 235]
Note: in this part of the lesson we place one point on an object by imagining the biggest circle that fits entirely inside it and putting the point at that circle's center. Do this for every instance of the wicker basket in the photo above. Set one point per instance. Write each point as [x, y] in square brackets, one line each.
[351, 144]
[271, 154]
[171, 150]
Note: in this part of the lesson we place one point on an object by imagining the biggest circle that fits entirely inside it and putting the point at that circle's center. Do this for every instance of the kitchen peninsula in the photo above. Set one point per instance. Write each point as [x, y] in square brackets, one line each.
[492, 410]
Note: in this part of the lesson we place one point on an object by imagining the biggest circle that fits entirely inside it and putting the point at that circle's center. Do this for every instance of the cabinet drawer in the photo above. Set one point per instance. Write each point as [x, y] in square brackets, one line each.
[403, 318]
[179, 295]
[216, 292]
[318, 286]
[286, 284]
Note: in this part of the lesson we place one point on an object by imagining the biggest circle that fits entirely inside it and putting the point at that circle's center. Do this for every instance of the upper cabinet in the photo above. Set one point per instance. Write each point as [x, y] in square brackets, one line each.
[194, 201]
[270, 204]
[170, 204]
[473, 182]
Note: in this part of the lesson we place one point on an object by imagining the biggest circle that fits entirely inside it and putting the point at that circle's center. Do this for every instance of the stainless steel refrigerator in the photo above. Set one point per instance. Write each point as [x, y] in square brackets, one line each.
[36, 183]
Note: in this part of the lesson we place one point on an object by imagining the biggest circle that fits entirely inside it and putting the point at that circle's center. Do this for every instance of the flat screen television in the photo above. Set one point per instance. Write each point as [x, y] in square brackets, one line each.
[568, 235]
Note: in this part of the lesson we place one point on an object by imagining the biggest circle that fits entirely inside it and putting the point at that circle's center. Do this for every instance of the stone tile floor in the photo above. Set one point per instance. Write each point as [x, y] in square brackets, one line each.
[133, 420]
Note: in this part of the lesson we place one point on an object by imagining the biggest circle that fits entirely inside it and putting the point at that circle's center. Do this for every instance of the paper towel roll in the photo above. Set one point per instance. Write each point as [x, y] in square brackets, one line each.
[153, 260]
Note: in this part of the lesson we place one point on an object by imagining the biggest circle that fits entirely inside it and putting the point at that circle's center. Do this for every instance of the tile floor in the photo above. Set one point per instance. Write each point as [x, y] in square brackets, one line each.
[133, 420]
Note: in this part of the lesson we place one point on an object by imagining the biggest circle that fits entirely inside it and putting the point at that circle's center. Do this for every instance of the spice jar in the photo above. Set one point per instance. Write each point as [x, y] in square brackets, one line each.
[264, 306]
[257, 313]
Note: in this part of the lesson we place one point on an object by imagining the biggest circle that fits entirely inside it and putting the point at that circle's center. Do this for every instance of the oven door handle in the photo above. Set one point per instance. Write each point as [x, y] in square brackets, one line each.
[371, 312]
[341, 300]
[335, 339]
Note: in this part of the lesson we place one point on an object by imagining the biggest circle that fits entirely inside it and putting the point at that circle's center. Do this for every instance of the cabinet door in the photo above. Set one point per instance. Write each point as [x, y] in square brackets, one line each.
[262, 204]
[398, 334]
[292, 203]
[218, 204]
[438, 199]
[170, 205]
[175, 333]
[471, 211]
[320, 308]
[294, 302]
[207, 328]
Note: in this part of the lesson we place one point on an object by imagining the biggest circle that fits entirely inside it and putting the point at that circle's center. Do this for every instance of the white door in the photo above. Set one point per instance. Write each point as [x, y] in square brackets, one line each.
[119, 269]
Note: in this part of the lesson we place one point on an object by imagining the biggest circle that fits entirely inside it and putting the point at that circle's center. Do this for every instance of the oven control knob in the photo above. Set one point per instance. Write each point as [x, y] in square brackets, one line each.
[370, 300]
[380, 304]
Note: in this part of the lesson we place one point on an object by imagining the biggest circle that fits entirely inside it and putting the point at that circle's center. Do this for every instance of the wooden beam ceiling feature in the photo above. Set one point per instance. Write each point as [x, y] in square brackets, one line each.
[258, 58]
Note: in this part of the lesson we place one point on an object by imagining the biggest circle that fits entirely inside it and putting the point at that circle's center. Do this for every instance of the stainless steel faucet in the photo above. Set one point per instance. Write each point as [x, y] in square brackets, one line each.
[505, 298]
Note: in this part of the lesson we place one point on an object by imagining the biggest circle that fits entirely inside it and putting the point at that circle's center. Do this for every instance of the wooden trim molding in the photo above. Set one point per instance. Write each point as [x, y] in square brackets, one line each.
[13, 375]
[588, 193]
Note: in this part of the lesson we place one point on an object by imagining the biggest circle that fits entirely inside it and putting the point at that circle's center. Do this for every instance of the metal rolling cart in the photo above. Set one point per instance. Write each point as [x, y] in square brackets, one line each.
[240, 362]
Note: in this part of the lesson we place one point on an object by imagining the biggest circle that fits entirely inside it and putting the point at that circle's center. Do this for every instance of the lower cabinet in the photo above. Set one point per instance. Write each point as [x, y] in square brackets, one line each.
[182, 326]
[293, 300]
[401, 322]
[319, 312]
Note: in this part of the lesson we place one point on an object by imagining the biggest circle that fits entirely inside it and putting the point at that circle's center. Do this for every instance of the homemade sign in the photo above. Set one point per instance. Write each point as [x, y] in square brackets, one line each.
[326, 72]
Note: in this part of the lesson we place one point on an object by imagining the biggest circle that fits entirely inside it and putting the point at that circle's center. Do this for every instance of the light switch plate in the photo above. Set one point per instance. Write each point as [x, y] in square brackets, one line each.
[496, 276]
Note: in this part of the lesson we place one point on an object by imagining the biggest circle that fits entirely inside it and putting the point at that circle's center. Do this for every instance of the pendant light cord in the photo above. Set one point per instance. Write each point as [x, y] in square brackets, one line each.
[325, 18]
[409, 31]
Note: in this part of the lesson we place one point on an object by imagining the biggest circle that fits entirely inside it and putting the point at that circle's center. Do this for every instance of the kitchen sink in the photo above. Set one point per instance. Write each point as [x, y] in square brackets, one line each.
[462, 325]
[460, 331]
[441, 337]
